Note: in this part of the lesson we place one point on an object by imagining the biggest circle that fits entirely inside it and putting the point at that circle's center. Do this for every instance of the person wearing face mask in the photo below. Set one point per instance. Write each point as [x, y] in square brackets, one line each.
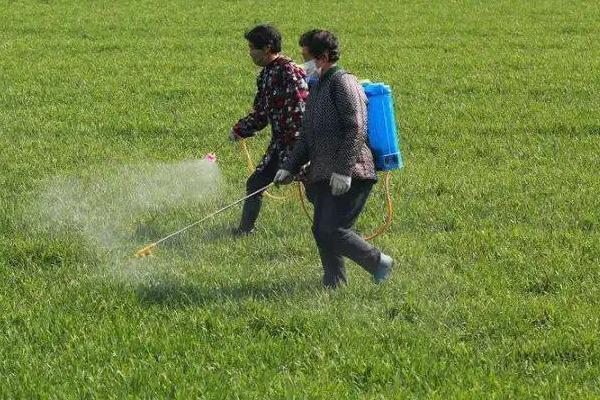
[279, 101]
[312, 72]
[342, 172]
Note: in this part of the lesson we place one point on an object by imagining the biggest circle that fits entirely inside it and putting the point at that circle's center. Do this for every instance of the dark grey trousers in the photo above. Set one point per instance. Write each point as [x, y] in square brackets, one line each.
[260, 178]
[332, 223]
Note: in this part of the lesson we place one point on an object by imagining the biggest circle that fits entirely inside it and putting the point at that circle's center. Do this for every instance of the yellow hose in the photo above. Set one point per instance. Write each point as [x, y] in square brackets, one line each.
[389, 210]
[301, 193]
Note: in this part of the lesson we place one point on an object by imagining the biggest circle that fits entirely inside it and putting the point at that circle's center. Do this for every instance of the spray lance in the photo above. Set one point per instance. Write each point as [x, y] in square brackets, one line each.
[146, 251]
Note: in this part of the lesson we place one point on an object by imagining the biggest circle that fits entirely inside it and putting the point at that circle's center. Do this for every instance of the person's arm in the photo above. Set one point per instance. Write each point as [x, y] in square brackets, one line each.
[257, 119]
[296, 93]
[291, 101]
[350, 103]
[299, 155]
[293, 164]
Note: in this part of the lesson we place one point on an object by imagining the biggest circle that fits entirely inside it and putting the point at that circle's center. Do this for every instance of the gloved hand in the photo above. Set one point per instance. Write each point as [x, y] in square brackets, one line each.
[283, 177]
[340, 184]
[233, 137]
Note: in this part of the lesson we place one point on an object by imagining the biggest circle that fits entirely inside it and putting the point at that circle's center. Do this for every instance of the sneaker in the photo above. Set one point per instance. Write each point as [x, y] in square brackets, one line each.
[384, 269]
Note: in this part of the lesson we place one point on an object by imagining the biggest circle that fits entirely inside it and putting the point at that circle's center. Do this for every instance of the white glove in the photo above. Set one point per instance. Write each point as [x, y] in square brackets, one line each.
[340, 184]
[233, 137]
[283, 177]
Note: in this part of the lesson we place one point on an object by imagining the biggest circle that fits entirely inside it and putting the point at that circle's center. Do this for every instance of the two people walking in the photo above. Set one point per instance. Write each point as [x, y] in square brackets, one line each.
[325, 133]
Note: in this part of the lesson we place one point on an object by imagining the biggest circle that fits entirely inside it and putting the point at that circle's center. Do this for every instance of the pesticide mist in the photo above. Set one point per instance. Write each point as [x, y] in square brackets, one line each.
[122, 208]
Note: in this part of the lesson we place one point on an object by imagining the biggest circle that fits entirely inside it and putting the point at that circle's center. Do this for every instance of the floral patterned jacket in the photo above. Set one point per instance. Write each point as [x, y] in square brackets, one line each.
[280, 101]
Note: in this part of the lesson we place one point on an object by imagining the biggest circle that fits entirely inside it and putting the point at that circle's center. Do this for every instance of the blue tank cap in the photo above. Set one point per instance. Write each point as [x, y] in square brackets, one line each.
[376, 89]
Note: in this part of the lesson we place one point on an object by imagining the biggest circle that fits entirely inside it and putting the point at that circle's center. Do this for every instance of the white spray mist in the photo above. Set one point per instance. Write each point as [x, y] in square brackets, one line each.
[111, 209]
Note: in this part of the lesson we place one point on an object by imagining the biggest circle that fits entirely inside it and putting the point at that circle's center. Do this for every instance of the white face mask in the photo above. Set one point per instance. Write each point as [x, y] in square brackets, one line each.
[311, 68]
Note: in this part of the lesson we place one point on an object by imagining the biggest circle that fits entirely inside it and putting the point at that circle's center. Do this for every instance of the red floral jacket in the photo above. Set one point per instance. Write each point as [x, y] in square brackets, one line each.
[280, 101]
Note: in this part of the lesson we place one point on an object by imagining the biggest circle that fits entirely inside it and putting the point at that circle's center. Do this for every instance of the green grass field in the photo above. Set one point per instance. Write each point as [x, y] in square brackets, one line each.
[496, 230]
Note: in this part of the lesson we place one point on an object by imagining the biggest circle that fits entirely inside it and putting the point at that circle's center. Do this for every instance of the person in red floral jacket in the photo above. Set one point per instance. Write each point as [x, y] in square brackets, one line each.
[280, 100]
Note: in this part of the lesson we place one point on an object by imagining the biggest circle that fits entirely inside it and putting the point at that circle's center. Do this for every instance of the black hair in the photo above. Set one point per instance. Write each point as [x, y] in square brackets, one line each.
[319, 41]
[262, 36]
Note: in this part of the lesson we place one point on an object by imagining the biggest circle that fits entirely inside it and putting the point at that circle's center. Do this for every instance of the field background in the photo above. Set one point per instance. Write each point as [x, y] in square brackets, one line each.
[496, 233]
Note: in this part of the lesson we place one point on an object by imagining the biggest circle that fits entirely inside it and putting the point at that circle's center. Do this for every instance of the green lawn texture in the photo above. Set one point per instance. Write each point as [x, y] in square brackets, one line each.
[496, 232]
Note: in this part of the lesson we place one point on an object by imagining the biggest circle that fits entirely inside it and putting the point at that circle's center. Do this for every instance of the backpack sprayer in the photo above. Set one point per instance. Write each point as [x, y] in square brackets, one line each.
[383, 138]
[383, 142]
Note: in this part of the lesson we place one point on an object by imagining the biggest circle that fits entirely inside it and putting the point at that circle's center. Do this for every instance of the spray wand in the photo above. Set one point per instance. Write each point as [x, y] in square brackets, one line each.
[146, 251]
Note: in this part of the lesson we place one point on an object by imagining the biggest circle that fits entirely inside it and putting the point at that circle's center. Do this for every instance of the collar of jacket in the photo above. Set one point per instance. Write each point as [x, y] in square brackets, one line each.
[330, 72]
[281, 59]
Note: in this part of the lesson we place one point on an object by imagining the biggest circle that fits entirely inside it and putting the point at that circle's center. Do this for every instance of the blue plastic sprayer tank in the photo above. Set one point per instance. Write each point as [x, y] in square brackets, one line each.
[383, 139]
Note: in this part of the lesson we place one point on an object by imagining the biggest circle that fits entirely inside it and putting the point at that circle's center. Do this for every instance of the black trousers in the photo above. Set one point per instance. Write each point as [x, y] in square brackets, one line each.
[332, 223]
[260, 178]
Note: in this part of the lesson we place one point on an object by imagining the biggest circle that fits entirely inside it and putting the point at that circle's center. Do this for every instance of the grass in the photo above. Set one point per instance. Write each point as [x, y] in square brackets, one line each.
[496, 231]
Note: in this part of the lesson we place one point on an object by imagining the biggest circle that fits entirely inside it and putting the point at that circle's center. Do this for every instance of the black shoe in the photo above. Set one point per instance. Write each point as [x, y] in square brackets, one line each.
[239, 232]
[335, 282]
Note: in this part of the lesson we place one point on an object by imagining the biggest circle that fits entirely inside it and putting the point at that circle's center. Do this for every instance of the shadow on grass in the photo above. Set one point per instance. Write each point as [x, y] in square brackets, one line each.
[179, 294]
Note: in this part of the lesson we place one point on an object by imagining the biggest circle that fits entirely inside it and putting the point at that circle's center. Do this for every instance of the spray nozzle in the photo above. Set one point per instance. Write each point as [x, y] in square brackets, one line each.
[146, 251]
[211, 157]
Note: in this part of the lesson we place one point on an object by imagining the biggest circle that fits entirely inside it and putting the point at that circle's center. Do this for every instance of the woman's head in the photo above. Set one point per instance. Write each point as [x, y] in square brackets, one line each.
[264, 41]
[320, 45]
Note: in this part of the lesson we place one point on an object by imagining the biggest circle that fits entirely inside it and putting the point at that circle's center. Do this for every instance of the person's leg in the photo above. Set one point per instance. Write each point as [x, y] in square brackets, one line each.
[252, 205]
[347, 242]
[324, 221]
[334, 270]
[309, 192]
